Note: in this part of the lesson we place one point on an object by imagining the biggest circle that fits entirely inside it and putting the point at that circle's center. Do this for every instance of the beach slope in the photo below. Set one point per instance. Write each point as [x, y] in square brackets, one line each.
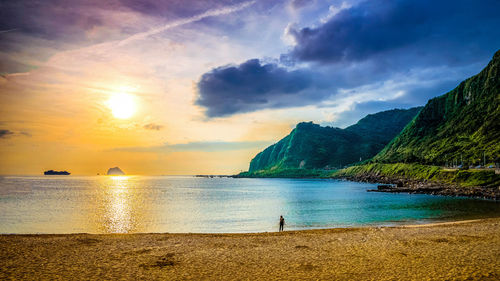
[467, 250]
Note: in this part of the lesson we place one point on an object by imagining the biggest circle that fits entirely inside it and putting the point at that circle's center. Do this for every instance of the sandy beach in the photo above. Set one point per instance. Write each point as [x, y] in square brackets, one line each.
[467, 250]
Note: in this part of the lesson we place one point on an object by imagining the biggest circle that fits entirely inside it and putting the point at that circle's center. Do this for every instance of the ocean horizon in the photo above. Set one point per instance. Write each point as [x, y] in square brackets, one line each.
[182, 204]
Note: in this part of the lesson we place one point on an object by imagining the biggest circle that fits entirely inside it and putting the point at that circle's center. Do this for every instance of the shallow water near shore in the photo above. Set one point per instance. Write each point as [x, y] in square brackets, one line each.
[136, 204]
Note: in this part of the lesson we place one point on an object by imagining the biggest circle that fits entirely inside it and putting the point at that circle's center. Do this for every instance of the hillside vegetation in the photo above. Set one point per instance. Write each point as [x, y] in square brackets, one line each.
[462, 126]
[401, 171]
[310, 146]
[409, 148]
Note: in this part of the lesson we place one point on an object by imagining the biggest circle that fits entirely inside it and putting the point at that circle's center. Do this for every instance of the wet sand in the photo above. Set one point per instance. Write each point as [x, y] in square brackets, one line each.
[468, 250]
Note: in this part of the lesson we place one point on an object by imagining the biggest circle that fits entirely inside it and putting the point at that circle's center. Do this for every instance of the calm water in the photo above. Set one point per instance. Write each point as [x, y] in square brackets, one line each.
[67, 204]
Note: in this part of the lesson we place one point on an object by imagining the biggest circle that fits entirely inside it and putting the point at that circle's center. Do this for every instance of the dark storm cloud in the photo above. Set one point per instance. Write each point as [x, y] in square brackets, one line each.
[253, 85]
[372, 42]
[452, 30]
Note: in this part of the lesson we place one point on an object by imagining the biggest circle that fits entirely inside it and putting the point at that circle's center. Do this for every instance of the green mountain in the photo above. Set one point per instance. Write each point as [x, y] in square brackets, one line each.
[311, 146]
[462, 126]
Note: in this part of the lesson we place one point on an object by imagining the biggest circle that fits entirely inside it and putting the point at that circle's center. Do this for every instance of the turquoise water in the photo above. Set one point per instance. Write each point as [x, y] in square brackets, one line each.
[131, 204]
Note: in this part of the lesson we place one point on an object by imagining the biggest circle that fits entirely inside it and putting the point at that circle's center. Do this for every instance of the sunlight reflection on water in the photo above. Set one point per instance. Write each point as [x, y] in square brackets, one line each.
[118, 211]
[132, 204]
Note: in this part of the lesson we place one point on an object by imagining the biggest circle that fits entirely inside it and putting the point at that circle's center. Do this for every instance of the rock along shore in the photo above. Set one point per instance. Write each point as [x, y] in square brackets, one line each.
[405, 185]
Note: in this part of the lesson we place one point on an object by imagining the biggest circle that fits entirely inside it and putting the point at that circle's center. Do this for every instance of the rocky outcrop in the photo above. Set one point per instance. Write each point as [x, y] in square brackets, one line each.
[405, 185]
[115, 171]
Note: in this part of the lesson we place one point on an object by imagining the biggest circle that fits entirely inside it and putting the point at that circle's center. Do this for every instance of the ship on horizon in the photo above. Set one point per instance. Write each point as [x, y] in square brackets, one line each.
[52, 172]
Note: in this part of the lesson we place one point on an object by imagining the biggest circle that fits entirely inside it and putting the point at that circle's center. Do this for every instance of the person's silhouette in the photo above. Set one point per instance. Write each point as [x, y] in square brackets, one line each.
[282, 223]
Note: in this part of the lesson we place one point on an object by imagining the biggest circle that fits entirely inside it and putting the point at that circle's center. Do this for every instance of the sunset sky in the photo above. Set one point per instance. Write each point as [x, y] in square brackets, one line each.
[199, 87]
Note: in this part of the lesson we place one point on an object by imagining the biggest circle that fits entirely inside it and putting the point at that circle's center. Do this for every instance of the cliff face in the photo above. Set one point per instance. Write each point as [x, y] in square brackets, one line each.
[312, 146]
[462, 125]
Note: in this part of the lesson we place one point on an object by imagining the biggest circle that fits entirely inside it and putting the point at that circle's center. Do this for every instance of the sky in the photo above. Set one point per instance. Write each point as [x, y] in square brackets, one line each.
[201, 86]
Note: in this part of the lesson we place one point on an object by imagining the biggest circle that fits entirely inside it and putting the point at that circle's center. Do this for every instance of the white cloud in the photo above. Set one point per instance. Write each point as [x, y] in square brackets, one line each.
[287, 36]
[334, 10]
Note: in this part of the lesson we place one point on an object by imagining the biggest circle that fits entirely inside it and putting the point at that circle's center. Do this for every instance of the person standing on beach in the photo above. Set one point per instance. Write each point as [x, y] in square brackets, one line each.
[282, 223]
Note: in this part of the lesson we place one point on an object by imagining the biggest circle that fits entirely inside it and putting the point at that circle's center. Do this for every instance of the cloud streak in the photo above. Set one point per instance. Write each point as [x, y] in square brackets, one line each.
[153, 126]
[8, 30]
[5, 134]
[63, 60]
[209, 13]
[201, 146]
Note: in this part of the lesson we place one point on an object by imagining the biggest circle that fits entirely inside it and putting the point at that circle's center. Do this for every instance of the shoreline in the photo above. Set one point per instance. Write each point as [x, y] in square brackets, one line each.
[413, 186]
[466, 249]
[402, 178]
[410, 186]
[426, 179]
[426, 223]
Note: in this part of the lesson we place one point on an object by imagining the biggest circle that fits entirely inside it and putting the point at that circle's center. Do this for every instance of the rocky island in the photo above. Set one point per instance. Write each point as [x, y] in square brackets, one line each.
[115, 171]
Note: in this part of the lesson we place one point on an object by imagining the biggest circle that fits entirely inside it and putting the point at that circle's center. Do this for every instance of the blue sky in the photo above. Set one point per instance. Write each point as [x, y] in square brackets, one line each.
[194, 76]
[418, 49]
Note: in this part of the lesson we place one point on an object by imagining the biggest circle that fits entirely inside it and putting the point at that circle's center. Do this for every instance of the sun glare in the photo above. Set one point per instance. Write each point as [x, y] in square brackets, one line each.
[122, 105]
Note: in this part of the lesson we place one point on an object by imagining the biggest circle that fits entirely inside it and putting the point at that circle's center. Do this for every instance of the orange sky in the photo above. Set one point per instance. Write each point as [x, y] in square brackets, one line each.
[59, 116]
[89, 85]
[64, 121]
[69, 125]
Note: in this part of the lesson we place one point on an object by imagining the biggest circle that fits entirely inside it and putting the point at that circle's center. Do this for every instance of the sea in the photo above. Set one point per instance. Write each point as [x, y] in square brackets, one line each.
[188, 204]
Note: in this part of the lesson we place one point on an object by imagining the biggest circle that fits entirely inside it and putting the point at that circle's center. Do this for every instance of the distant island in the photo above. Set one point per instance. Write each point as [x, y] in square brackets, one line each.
[115, 171]
[59, 173]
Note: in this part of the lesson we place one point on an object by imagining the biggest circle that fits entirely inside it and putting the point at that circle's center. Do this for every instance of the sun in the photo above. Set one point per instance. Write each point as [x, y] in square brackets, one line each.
[123, 106]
